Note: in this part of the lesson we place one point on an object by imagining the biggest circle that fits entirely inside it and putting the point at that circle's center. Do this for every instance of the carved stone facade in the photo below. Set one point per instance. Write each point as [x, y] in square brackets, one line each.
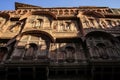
[54, 43]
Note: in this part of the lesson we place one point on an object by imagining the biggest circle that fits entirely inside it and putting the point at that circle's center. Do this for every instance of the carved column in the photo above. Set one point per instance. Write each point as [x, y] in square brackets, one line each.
[81, 22]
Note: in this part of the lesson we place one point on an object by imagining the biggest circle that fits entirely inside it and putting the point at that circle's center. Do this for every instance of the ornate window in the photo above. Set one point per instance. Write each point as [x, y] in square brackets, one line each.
[97, 47]
[61, 56]
[30, 51]
[102, 47]
[102, 51]
[38, 23]
[17, 53]
[34, 46]
[70, 51]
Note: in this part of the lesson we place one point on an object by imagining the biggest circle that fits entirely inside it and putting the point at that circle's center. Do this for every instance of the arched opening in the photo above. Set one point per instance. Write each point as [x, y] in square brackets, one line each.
[39, 33]
[101, 45]
[30, 51]
[61, 56]
[67, 50]
[32, 45]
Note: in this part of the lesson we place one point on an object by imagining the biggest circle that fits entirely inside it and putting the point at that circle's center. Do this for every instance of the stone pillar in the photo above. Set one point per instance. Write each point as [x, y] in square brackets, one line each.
[81, 23]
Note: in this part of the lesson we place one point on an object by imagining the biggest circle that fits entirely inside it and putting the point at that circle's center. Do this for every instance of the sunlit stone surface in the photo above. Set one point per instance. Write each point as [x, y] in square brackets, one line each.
[59, 43]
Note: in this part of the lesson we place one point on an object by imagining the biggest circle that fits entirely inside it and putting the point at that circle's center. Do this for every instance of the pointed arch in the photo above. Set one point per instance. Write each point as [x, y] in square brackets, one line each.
[38, 33]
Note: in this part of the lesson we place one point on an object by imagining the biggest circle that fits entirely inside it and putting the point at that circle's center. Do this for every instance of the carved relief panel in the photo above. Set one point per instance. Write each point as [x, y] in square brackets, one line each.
[112, 23]
[38, 21]
[64, 25]
[34, 21]
[85, 21]
[94, 22]
[108, 23]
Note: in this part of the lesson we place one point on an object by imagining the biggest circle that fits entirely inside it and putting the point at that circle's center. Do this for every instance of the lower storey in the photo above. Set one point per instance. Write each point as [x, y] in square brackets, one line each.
[60, 73]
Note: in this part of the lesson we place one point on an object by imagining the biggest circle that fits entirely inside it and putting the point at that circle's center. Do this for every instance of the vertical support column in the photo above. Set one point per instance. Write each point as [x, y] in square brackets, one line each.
[102, 73]
[2, 73]
[47, 72]
[92, 72]
[112, 73]
[42, 73]
[6, 73]
[80, 24]
[34, 73]
[57, 45]
[19, 75]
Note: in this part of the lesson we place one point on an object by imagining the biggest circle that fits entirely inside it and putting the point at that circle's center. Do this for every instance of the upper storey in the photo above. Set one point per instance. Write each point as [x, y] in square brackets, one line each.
[67, 11]
[59, 22]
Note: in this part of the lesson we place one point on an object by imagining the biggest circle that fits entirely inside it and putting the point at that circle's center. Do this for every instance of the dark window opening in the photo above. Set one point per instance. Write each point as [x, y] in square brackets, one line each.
[3, 51]
[14, 19]
[4, 41]
[70, 57]
[102, 51]
[30, 51]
